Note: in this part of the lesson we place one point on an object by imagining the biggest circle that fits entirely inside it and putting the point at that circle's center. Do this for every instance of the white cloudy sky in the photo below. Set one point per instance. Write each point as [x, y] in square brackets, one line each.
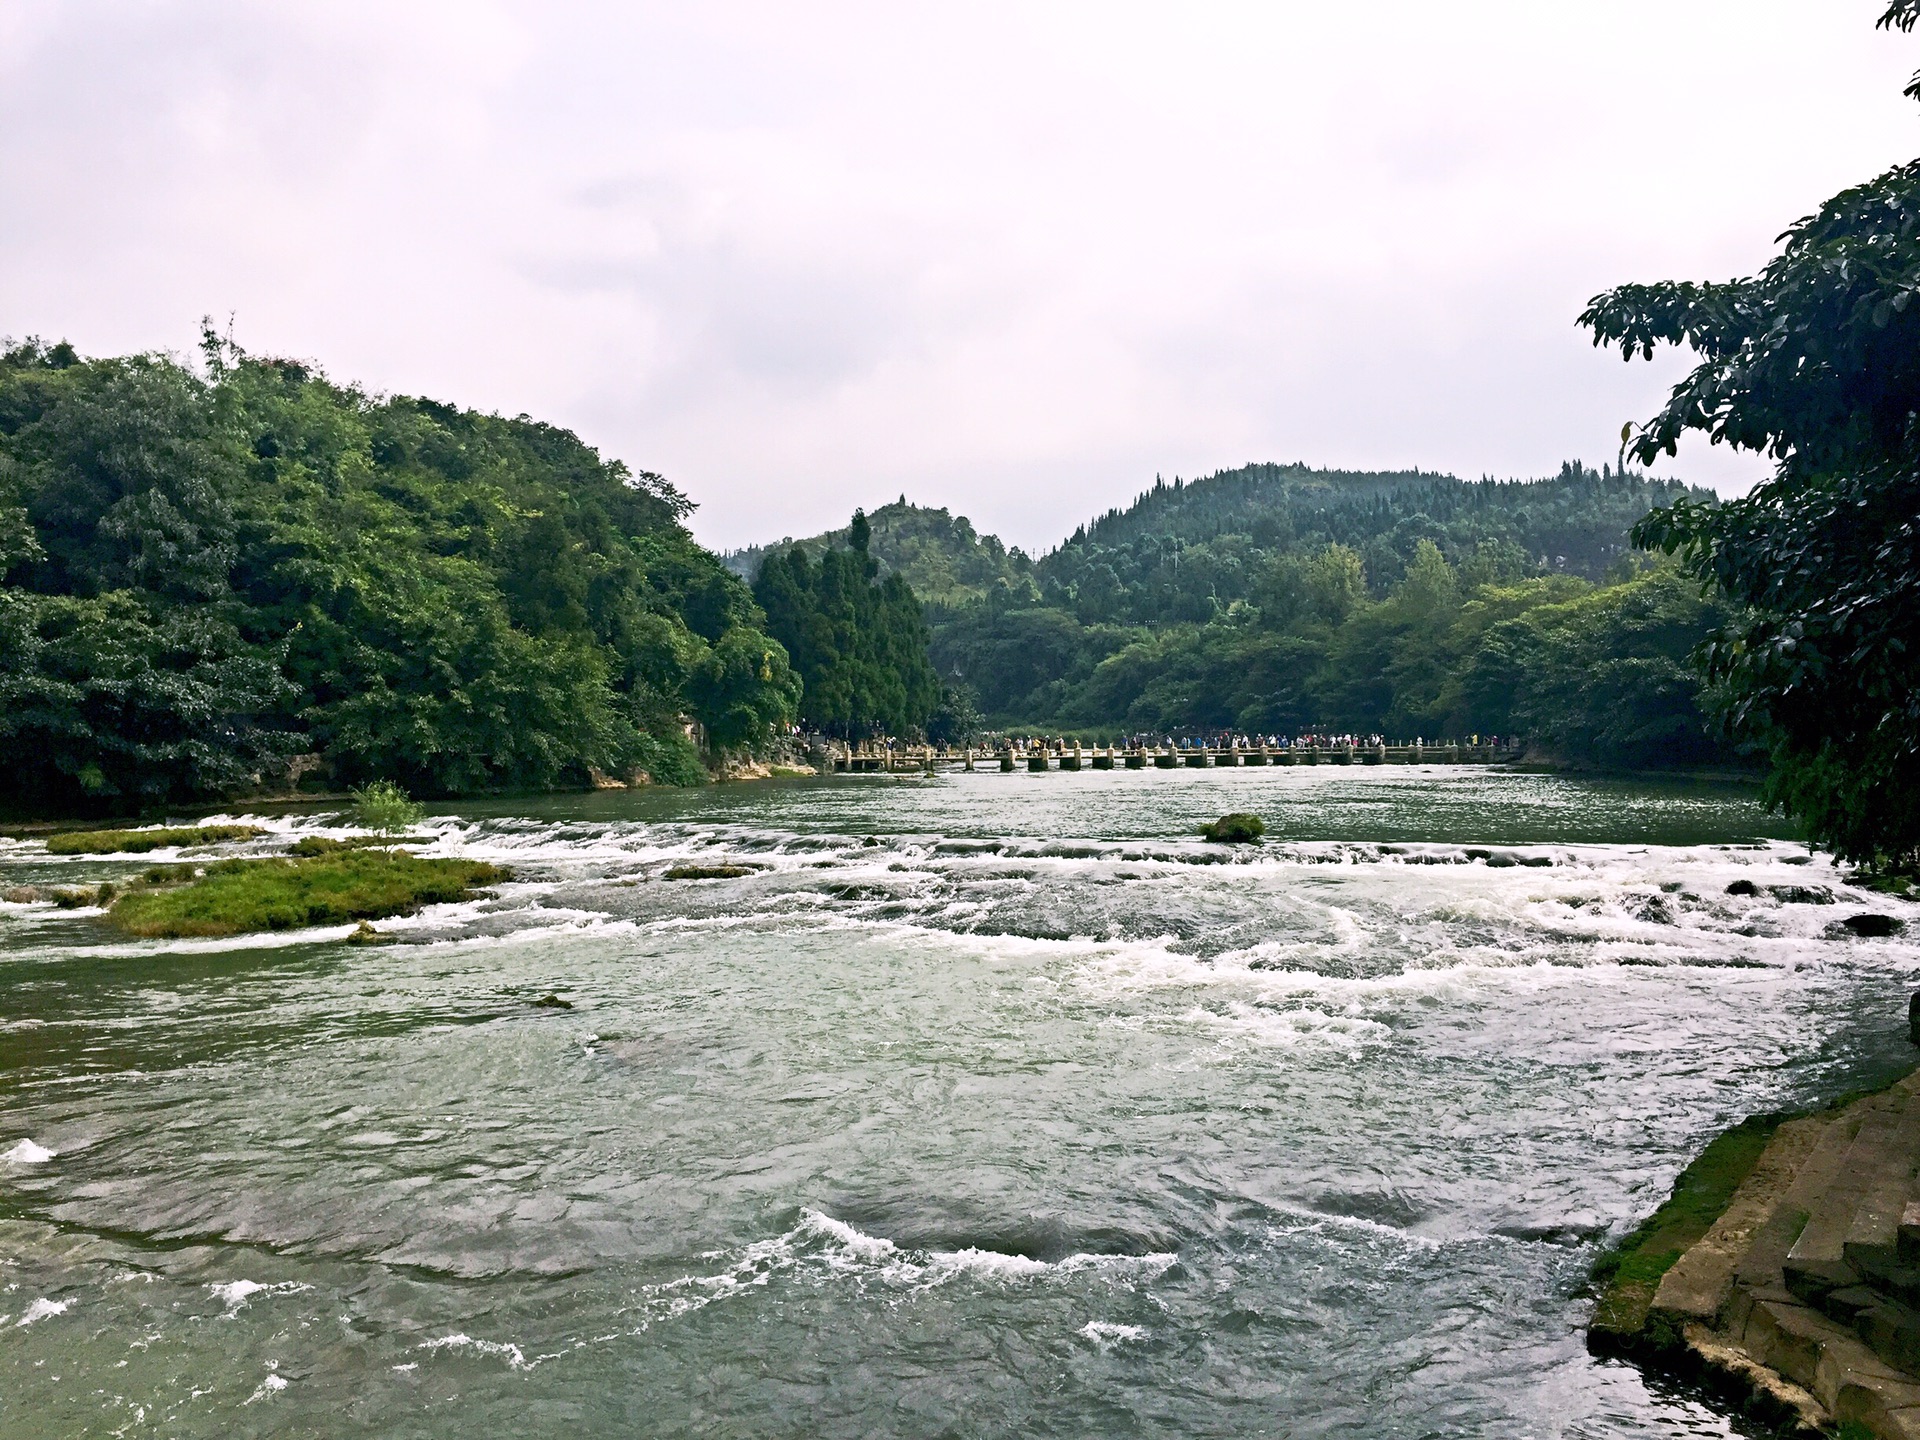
[1010, 258]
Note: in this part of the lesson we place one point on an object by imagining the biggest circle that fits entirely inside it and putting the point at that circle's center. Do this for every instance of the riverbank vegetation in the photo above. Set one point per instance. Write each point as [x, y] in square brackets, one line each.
[236, 896]
[1815, 364]
[244, 575]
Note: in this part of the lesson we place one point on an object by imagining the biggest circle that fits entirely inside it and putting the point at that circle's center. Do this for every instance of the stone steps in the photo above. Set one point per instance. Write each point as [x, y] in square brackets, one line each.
[1872, 1244]
[1817, 1263]
[1813, 1271]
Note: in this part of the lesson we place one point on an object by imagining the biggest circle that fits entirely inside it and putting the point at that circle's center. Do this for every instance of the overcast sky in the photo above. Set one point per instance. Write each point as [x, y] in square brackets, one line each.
[1014, 259]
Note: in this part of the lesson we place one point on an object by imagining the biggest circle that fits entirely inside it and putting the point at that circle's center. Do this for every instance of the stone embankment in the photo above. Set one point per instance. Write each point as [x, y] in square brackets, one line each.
[1803, 1296]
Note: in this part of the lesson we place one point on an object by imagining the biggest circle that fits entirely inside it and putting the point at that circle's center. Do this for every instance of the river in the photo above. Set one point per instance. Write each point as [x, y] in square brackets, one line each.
[984, 1105]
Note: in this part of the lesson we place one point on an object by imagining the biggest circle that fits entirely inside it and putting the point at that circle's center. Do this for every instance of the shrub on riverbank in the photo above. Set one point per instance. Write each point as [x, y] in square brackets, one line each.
[138, 842]
[237, 896]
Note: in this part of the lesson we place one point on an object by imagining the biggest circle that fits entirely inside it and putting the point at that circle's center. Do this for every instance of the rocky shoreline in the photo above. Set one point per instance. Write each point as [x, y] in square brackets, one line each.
[1784, 1271]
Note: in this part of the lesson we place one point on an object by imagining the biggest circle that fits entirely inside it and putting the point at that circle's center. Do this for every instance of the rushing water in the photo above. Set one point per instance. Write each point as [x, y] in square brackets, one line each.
[986, 1105]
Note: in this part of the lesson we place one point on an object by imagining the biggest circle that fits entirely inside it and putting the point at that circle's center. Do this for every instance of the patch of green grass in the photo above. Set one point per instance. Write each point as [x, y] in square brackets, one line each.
[237, 896]
[321, 845]
[1630, 1272]
[138, 842]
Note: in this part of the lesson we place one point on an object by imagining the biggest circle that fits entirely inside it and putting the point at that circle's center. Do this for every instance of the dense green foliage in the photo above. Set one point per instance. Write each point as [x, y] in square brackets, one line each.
[204, 575]
[858, 641]
[1249, 601]
[1815, 363]
[237, 896]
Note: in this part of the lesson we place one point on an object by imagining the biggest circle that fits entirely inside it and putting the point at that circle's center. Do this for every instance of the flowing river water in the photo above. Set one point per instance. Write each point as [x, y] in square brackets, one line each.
[984, 1105]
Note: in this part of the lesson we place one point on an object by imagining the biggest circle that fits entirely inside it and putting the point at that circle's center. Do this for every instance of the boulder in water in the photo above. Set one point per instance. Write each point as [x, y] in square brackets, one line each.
[1743, 887]
[709, 872]
[1801, 894]
[1871, 926]
[551, 1002]
[1238, 828]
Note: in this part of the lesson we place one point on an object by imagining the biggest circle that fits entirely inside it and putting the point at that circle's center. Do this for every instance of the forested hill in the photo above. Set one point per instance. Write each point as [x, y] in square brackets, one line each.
[1283, 598]
[205, 573]
[939, 555]
[1229, 499]
[1141, 564]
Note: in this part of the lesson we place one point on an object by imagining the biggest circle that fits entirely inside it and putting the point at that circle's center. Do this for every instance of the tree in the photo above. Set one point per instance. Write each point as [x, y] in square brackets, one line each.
[1814, 363]
[858, 642]
[743, 690]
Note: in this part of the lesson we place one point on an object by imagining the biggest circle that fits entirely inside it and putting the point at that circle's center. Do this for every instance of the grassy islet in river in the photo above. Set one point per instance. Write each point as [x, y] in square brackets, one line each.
[138, 842]
[236, 896]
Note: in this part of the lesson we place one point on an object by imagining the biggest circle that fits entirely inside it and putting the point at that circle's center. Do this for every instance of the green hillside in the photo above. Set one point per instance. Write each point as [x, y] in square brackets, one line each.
[1280, 598]
[207, 573]
[939, 555]
[1183, 552]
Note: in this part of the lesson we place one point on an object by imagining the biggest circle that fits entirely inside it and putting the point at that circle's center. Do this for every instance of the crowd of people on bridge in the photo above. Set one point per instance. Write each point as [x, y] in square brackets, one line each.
[1235, 740]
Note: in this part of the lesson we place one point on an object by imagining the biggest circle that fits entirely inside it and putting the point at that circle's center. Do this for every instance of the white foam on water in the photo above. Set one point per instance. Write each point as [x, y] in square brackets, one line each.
[42, 1309]
[272, 1385]
[1289, 1029]
[234, 1294]
[511, 1353]
[1360, 1227]
[28, 1153]
[1107, 1335]
[593, 926]
[823, 1248]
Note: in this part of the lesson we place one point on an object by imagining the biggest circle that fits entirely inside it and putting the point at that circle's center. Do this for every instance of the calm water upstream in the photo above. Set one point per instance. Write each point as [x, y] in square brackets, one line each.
[986, 1105]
